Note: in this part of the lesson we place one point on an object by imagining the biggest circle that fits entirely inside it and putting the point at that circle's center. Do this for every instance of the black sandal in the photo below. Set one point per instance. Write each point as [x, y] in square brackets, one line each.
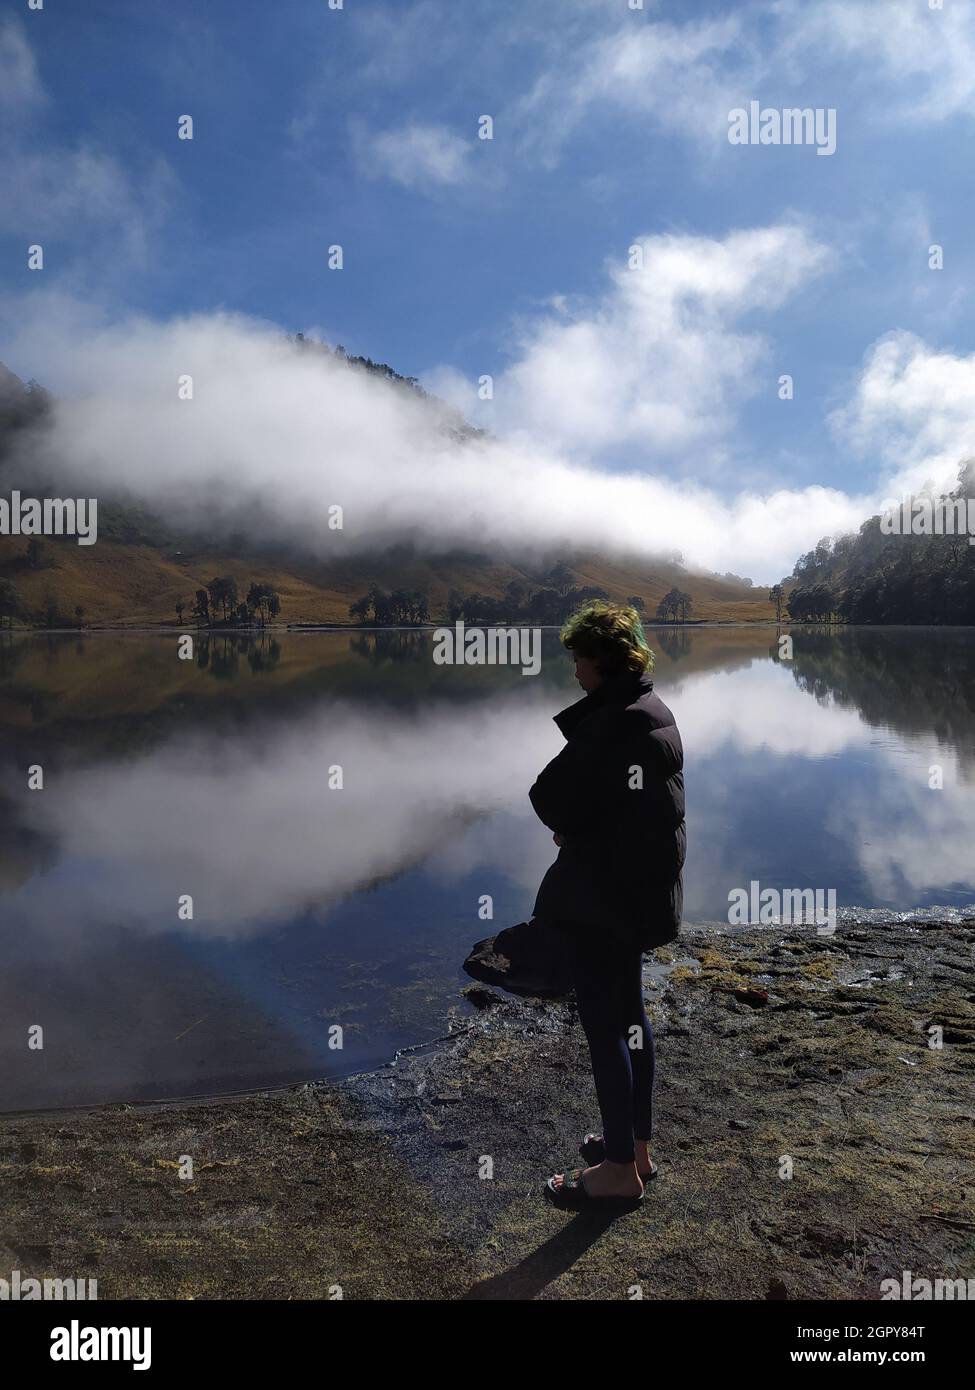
[572, 1194]
[593, 1150]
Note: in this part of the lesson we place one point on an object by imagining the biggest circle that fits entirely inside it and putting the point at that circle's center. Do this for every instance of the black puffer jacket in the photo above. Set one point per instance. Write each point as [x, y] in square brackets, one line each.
[623, 845]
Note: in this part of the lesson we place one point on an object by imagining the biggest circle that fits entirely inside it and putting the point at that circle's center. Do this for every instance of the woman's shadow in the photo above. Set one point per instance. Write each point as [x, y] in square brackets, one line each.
[543, 1266]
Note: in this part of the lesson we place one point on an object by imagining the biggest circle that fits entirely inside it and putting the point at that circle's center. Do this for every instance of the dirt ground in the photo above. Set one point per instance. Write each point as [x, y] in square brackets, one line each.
[423, 1180]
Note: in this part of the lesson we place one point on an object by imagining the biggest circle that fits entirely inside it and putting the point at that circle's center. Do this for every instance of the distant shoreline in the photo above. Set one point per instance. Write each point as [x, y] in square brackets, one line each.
[166, 629]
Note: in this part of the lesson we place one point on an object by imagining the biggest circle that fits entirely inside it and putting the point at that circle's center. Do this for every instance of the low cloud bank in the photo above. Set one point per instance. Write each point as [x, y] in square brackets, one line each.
[274, 437]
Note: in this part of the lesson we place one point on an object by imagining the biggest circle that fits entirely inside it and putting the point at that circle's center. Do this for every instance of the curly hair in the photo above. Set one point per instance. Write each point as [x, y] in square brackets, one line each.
[612, 635]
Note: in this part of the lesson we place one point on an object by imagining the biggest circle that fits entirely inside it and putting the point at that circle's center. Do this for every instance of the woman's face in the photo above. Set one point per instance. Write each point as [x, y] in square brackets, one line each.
[587, 672]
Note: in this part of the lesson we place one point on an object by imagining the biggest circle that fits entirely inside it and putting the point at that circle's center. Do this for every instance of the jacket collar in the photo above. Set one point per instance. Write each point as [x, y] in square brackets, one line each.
[622, 689]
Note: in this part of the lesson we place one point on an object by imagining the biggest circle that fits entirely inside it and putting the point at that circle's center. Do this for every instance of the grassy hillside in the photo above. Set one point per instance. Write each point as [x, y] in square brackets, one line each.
[129, 585]
[140, 569]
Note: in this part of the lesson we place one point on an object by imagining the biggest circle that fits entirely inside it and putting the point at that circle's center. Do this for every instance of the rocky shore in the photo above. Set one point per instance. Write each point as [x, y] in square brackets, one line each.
[778, 1051]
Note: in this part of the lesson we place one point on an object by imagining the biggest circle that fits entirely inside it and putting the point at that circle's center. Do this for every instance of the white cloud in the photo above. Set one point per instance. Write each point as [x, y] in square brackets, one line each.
[52, 193]
[925, 846]
[273, 437]
[667, 71]
[417, 156]
[913, 411]
[52, 190]
[927, 54]
[769, 713]
[20, 84]
[904, 62]
[660, 362]
[411, 781]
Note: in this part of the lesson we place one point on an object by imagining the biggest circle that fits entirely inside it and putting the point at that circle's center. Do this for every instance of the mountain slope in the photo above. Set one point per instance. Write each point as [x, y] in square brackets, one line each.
[139, 569]
[129, 585]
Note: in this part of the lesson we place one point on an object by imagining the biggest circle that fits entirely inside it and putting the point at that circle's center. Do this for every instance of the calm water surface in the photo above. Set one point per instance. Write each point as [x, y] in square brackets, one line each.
[314, 906]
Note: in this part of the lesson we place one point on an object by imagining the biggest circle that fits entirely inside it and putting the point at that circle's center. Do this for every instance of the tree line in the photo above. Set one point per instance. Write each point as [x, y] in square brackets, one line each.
[876, 577]
[675, 606]
[545, 602]
[219, 603]
[216, 604]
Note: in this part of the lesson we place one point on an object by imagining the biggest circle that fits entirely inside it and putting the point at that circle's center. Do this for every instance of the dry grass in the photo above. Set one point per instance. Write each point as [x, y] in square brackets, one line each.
[135, 584]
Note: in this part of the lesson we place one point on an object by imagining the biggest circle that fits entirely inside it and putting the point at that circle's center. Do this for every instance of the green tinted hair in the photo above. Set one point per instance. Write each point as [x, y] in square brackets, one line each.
[612, 635]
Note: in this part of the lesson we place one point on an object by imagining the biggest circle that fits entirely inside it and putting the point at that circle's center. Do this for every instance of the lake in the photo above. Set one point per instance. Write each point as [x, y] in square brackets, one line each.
[318, 907]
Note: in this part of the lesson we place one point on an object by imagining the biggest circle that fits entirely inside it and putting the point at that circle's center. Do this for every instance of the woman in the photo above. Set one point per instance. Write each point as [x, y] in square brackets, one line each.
[614, 798]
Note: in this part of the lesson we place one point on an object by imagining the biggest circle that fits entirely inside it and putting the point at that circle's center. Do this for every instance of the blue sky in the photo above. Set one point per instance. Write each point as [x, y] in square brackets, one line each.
[508, 256]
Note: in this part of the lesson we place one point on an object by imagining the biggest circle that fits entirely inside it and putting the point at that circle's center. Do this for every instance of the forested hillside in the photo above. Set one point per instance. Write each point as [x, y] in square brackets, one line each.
[878, 577]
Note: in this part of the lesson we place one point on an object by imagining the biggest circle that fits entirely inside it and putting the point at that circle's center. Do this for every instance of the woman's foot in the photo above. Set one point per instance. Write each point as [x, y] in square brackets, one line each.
[641, 1153]
[593, 1148]
[608, 1179]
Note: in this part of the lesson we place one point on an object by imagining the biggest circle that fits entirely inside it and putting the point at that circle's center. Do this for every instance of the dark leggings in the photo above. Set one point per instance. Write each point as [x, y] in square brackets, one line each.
[608, 979]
